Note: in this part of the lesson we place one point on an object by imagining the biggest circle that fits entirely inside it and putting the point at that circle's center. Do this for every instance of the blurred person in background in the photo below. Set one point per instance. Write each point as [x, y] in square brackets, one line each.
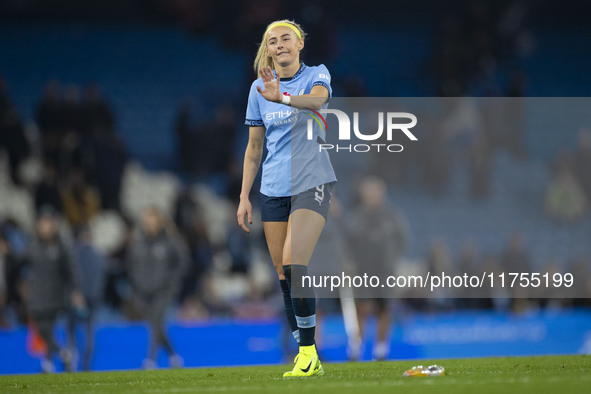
[582, 161]
[223, 130]
[189, 219]
[439, 261]
[47, 191]
[331, 257]
[108, 166]
[73, 116]
[52, 284]
[5, 101]
[481, 164]
[13, 242]
[581, 291]
[97, 113]
[49, 119]
[565, 199]
[470, 262]
[80, 200]
[91, 269]
[157, 261]
[516, 258]
[4, 252]
[189, 150]
[14, 141]
[117, 286]
[378, 237]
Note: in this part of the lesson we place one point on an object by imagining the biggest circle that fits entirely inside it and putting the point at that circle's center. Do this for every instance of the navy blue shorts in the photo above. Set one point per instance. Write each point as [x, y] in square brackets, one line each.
[278, 209]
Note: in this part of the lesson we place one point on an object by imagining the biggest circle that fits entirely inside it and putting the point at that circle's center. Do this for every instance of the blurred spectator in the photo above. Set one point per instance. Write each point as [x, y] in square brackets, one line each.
[14, 141]
[480, 159]
[515, 115]
[193, 15]
[49, 118]
[318, 23]
[332, 257]
[354, 85]
[97, 113]
[73, 116]
[189, 150]
[110, 159]
[186, 211]
[514, 36]
[378, 239]
[49, 112]
[205, 148]
[239, 246]
[471, 264]
[500, 300]
[565, 199]
[117, 286]
[234, 172]
[47, 191]
[471, 42]
[80, 201]
[515, 258]
[435, 163]
[190, 221]
[581, 291]
[249, 19]
[4, 252]
[582, 162]
[193, 309]
[53, 284]
[91, 270]
[222, 134]
[157, 260]
[439, 261]
[5, 102]
[13, 241]
[517, 84]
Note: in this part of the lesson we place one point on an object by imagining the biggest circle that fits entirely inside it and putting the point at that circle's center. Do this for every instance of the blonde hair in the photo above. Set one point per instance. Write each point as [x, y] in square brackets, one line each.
[262, 60]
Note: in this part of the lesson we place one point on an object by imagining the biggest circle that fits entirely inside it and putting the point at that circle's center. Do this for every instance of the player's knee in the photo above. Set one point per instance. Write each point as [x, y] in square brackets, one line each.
[287, 259]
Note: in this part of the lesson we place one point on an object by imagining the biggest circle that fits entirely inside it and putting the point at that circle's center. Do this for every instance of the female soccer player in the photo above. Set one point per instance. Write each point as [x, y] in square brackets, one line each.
[297, 179]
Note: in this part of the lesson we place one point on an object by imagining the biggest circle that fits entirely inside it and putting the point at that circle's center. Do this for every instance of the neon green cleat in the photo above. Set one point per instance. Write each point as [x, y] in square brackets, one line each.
[307, 364]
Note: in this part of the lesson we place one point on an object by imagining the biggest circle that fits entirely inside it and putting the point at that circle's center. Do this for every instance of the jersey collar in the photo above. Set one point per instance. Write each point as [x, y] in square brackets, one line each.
[297, 74]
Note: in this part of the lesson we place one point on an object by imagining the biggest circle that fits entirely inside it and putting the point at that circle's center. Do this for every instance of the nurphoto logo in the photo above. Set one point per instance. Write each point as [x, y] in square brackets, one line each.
[391, 122]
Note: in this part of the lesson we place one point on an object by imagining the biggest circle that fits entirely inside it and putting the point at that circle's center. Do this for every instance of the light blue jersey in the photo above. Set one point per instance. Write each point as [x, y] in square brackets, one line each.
[294, 163]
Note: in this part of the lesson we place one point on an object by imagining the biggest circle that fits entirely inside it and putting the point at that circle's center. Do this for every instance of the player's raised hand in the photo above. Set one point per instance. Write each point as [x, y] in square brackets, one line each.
[271, 91]
[244, 209]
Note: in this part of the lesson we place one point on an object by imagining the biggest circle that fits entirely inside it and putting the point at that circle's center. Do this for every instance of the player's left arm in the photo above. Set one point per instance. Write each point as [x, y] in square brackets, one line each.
[272, 92]
[315, 100]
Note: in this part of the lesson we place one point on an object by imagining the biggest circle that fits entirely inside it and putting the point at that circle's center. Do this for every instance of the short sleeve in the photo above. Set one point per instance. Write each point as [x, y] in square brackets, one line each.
[253, 112]
[322, 77]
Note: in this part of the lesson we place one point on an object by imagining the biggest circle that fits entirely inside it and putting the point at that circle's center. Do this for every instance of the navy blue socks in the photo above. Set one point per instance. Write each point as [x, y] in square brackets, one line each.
[303, 301]
[293, 326]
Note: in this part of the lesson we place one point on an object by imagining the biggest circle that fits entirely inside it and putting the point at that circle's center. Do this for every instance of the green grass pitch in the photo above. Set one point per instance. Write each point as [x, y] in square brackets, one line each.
[524, 375]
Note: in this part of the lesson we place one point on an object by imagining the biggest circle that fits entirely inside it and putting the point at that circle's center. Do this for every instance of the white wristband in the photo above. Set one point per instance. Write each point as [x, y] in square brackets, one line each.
[285, 100]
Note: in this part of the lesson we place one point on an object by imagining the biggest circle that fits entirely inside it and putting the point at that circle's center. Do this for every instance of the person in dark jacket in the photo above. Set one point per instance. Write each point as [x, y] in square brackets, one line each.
[53, 284]
[378, 238]
[157, 260]
[91, 268]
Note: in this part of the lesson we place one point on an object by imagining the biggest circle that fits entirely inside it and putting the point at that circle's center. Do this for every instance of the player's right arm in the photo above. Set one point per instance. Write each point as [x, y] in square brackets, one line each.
[252, 161]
